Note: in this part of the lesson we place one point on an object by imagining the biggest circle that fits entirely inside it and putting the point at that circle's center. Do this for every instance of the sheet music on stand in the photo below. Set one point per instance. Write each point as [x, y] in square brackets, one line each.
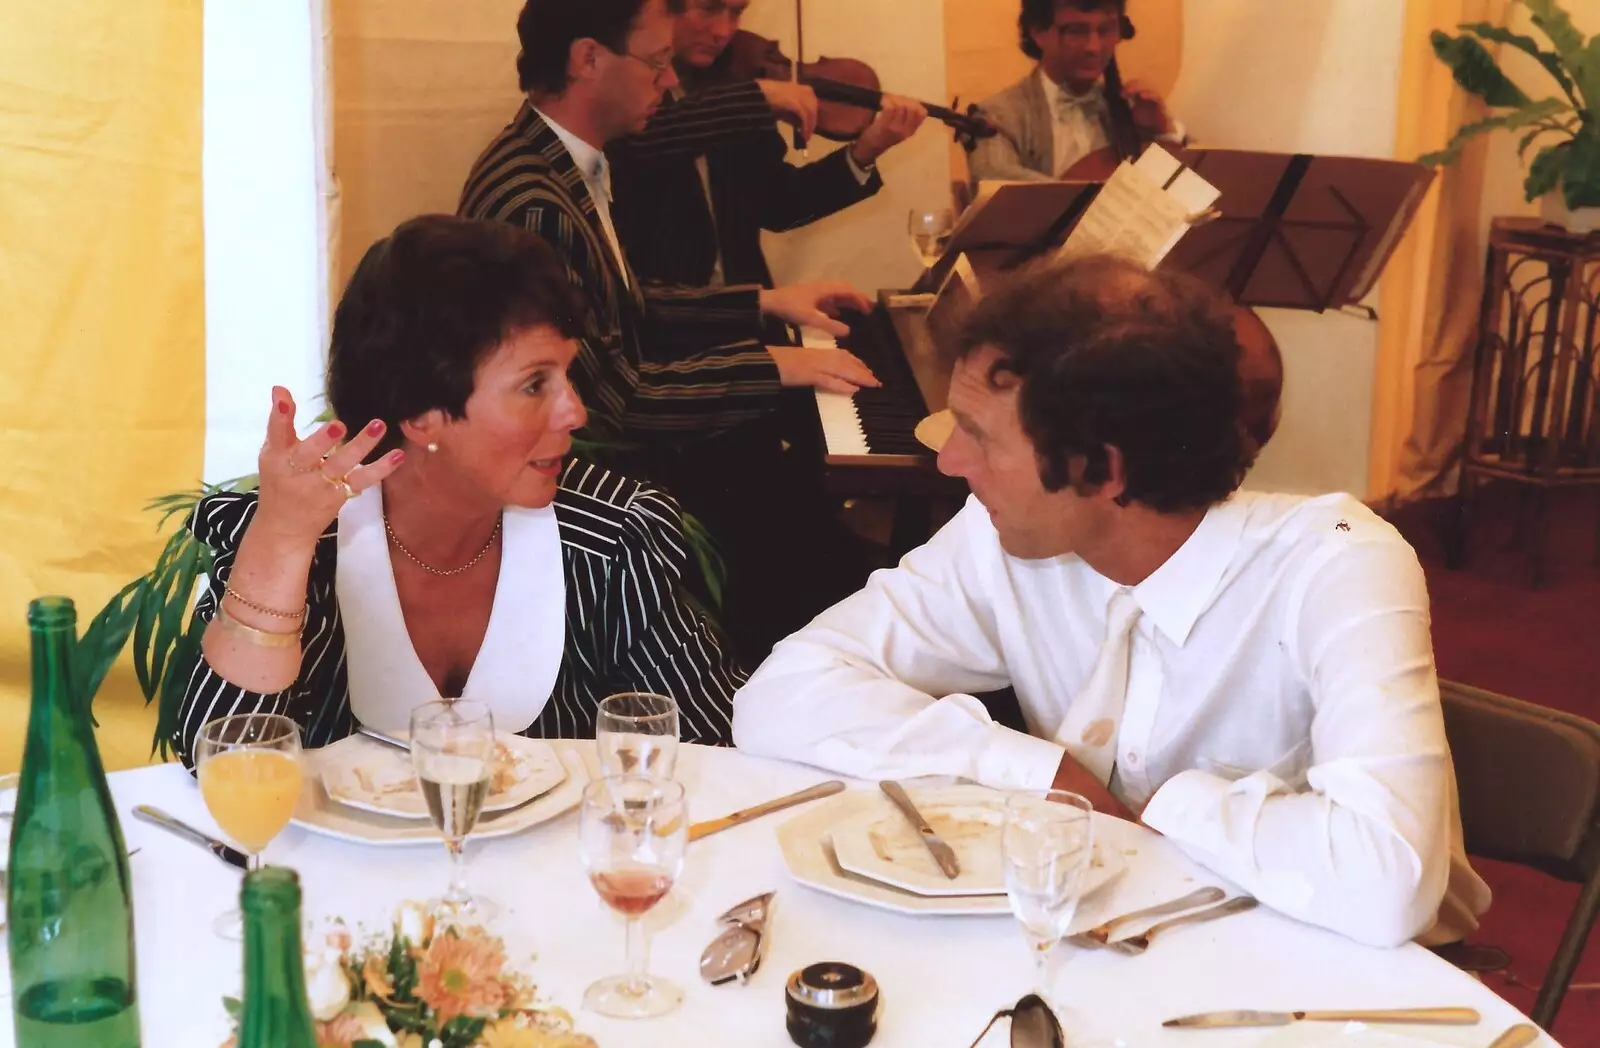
[1143, 210]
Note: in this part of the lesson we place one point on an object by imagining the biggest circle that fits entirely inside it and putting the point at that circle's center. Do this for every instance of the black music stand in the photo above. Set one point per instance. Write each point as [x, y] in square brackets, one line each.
[1020, 221]
[1298, 231]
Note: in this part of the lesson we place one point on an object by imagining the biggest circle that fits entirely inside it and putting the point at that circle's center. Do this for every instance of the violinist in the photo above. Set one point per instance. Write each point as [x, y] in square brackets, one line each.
[1072, 116]
[695, 218]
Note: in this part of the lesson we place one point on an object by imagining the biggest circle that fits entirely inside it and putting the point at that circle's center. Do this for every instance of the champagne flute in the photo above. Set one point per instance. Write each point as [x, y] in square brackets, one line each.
[636, 733]
[250, 777]
[452, 750]
[1046, 840]
[930, 233]
[632, 830]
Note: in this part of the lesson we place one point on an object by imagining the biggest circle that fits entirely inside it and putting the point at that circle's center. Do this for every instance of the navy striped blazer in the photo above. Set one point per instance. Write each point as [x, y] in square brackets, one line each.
[628, 628]
[654, 360]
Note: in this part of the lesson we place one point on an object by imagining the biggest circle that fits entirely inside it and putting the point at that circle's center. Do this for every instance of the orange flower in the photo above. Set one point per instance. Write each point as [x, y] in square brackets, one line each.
[460, 975]
[375, 974]
[340, 1032]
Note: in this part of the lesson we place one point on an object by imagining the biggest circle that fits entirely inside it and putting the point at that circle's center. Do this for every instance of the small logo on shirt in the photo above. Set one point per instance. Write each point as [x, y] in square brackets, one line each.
[1343, 525]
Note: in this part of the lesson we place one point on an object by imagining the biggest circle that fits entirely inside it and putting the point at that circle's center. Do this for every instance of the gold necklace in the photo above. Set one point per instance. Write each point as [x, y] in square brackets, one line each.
[413, 558]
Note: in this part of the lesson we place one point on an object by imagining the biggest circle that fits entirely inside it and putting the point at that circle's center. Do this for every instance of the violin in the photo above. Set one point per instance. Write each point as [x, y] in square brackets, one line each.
[848, 91]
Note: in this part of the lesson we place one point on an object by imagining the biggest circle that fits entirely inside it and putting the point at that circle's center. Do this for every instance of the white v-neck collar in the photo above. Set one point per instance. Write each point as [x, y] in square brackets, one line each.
[516, 667]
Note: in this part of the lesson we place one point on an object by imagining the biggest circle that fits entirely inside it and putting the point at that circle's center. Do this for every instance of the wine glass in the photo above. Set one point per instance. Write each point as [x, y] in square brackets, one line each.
[1046, 840]
[930, 233]
[636, 733]
[452, 750]
[250, 777]
[632, 830]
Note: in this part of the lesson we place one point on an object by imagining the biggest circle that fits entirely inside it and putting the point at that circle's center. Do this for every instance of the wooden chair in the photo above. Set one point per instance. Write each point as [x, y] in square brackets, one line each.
[1529, 778]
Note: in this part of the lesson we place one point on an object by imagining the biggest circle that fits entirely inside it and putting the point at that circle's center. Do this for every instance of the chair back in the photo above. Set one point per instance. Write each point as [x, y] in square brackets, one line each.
[1529, 780]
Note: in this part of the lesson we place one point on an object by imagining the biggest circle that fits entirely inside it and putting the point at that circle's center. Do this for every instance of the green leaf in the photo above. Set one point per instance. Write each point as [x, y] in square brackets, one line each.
[366, 1042]
[1528, 140]
[1532, 113]
[706, 555]
[1529, 46]
[157, 585]
[176, 609]
[175, 682]
[1476, 70]
[234, 1007]
[462, 1032]
[103, 641]
[1544, 174]
[1580, 173]
[1553, 20]
[1585, 66]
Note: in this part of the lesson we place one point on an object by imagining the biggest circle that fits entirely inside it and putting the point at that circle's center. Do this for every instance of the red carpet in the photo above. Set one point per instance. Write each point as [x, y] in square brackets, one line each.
[1492, 631]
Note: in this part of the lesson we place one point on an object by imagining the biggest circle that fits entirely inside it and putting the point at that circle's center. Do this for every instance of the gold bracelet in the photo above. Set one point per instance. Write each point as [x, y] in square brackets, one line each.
[229, 591]
[260, 638]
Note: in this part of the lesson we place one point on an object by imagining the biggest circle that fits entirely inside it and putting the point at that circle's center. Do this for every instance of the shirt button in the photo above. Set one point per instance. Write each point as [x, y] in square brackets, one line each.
[1133, 759]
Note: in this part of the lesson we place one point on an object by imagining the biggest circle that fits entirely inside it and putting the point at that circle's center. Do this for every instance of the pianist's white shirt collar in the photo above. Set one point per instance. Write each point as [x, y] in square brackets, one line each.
[1176, 594]
[591, 161]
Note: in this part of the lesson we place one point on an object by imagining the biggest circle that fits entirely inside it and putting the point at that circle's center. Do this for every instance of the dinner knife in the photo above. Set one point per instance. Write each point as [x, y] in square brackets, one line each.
[1518, 1036]
[744, 815]
[157, 817]
[387, 740]
[1436, 1016]
[942, 853]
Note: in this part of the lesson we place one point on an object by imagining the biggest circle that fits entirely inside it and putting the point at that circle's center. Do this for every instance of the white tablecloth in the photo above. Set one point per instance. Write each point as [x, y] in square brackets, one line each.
[941, 978]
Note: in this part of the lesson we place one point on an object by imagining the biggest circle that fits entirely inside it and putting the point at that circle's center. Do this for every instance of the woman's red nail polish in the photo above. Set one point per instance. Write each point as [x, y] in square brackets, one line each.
[375, 427]
[397, 456]
[283, 407]
[336, 430]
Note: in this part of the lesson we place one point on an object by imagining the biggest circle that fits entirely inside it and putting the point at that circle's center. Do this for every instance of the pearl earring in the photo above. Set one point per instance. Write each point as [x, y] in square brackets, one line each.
[433, 447]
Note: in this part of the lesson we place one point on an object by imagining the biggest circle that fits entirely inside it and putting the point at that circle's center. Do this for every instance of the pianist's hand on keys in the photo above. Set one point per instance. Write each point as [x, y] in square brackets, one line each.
[827, 368]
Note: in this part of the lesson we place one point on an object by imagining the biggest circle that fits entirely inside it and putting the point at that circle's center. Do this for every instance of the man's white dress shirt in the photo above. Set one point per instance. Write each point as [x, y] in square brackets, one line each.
[1078, 123]
[596, 172]
[1282, 721]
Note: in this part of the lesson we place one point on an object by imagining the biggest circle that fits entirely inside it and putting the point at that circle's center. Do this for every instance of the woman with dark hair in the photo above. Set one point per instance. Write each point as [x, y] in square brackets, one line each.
[1074, 104]
[451, 546]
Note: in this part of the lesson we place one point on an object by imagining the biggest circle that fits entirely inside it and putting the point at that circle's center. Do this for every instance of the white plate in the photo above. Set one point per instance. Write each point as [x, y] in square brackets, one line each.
[373, 776]
[320, 814]
[808, 850]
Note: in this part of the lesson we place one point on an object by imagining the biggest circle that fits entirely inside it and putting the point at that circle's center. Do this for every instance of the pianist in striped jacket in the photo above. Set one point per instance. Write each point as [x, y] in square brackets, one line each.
[450, 546]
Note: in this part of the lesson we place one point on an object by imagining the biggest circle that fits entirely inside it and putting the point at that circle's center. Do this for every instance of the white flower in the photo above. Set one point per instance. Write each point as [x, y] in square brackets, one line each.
[327, 986]
[414, 922]
[373, 1028]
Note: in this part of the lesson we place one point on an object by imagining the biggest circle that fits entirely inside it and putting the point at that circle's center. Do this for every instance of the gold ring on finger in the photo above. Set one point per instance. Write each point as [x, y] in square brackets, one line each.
[342, 483]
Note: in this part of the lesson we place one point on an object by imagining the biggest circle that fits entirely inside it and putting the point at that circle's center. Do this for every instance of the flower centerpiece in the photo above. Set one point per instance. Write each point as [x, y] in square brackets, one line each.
[421, 986]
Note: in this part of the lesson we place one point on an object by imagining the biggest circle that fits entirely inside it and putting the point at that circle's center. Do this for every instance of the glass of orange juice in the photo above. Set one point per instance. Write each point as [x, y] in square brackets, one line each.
[250, 775]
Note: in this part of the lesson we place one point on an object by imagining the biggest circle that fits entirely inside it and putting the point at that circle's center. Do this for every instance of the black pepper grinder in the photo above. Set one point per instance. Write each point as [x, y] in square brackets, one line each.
[832, 1005]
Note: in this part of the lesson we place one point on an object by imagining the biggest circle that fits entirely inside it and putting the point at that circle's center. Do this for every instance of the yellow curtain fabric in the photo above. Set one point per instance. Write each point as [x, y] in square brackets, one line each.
[1429, 296]
[102, 395]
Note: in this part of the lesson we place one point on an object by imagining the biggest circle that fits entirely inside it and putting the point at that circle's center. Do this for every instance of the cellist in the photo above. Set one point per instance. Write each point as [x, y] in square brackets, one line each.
[1072, 114]
[695, 218]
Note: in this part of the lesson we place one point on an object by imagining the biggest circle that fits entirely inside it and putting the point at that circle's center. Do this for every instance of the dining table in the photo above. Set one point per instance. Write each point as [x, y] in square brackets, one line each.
[940, 978]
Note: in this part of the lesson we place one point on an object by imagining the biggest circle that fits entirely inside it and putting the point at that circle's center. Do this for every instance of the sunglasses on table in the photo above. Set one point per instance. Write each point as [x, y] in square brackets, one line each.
[1033, 1025]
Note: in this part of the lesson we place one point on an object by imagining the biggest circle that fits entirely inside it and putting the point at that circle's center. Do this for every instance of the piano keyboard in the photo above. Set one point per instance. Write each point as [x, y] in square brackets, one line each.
[872, 422]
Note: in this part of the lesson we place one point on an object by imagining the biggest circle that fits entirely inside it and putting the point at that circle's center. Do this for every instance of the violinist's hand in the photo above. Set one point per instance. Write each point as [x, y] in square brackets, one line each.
[1149, 110]
[897, 121]
[303, 482]
[795, 102]
[830, 370]
[815, 304]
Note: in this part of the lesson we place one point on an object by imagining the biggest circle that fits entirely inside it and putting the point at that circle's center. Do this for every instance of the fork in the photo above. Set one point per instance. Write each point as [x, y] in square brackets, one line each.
[1137, 944]
[1100, 935]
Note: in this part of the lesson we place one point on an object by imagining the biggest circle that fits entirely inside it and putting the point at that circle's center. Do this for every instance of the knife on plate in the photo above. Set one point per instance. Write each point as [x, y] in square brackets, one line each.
[157, 817]
[738, 818]
[387, 740]
[942, 853]
[1438, 1016]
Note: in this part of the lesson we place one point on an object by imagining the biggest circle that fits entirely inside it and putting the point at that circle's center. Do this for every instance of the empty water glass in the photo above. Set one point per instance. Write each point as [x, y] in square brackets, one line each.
[1046, 842]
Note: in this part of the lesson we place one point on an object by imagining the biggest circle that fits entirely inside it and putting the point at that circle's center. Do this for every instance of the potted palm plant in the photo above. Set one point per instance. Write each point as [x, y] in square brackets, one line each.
[1564, 174]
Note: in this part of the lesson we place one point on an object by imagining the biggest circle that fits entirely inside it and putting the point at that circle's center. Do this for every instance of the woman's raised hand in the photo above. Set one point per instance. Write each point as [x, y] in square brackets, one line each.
[304, 483]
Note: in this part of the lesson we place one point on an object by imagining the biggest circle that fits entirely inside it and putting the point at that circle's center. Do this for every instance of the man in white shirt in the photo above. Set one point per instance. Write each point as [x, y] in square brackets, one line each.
[1251, 675]
[1074, 104]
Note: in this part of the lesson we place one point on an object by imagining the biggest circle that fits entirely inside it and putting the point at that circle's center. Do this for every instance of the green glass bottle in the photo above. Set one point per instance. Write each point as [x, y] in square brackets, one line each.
[274, 1011]
[68, 898]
